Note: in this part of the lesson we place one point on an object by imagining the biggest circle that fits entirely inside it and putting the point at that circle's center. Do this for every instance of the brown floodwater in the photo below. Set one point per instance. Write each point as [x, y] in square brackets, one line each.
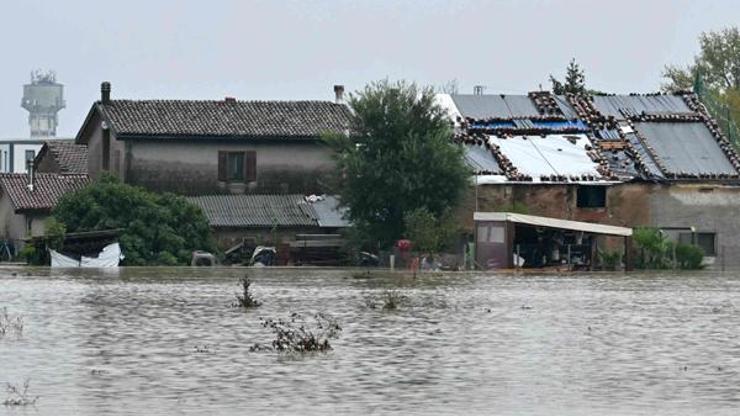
[161, 341]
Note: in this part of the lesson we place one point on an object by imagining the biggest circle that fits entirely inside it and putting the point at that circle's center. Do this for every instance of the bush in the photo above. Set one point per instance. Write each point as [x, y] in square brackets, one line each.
[158, 229]
[689, 257]
[654, 250]
[297, 335]
[610, 260]
[18, 395]
[246, 299]
[429, 233]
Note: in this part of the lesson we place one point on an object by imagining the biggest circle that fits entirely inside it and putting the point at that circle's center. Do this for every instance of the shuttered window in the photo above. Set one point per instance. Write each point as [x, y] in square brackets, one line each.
[237, 166]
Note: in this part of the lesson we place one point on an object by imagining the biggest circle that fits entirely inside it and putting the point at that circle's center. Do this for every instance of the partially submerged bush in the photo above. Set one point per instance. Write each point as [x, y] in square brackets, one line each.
[10, 324]
[610, 260]
[18, 396]
[389, 300]
[689, 257]
[246, 299]
[297, 335]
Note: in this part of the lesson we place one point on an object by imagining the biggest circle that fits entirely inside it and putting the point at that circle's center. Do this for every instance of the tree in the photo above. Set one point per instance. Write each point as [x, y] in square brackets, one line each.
[399, 158]
[575, 80]
[428, 233]
[158, 229]
[718, 63]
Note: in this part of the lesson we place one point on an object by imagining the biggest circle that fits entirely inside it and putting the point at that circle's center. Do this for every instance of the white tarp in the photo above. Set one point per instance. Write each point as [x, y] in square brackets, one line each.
[111, 256]
[554, 154]
[587, 227]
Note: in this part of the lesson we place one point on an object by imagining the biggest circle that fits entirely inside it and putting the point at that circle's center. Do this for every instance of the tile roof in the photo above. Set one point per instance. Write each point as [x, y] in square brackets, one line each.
[269, 210]
[70, 157]
[168, 118]
[48, 189]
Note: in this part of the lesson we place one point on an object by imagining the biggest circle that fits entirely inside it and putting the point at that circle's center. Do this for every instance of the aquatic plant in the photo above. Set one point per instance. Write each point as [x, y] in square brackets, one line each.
[390, 300]
[246, 299]
[8, 323]
[18, 396]
[295, 334]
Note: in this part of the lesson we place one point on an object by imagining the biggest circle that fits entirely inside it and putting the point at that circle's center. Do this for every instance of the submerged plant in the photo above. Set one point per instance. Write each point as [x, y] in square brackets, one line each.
[246, 299]
[389, 300]
[295, 334]
[8, 323]
[18, 396]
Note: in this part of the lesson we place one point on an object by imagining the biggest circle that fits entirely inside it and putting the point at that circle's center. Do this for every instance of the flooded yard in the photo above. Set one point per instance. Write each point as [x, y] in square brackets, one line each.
[166, 341]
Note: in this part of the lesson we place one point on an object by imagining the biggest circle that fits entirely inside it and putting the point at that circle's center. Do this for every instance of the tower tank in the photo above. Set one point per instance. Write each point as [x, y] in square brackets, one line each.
[43, 98]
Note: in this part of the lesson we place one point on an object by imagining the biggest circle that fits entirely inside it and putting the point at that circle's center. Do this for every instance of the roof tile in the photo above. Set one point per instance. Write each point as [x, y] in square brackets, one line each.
[47, 190]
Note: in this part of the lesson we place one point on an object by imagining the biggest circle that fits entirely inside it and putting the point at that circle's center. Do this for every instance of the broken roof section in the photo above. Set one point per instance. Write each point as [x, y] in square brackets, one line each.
[553, 158]
[481, 160]
[494, 106]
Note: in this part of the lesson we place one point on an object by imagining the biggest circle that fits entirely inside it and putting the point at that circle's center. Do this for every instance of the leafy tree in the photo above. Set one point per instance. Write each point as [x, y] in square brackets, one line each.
[158, 229]
[399, 158]
[575, 80]
[714, 74]
[429, 233]
[718, 63]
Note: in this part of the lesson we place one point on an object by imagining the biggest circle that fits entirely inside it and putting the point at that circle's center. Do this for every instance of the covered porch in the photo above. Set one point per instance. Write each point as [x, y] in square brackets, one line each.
[506, 240]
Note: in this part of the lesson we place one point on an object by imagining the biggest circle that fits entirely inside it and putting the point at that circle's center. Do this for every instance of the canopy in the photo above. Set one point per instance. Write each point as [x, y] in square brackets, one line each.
[534, 220]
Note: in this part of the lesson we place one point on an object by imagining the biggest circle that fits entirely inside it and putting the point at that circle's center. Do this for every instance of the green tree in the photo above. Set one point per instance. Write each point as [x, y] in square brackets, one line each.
[575, 80]
[399, 158]
[158, 229]
[718, 63]
[429, 233]
[714, 75]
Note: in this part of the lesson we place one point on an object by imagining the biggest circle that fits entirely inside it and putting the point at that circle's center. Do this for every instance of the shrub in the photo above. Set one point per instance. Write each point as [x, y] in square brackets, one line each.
[246, 299]
[610, 260]
[297, 335]
[689, 257]
[653, 248]
[18, 396]
[10, 323]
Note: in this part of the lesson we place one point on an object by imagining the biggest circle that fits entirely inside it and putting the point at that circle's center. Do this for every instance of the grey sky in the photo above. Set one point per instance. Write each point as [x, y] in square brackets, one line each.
[299, 49]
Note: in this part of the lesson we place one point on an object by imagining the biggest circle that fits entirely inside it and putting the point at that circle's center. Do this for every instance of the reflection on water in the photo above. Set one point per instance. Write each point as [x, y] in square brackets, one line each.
[165, 341]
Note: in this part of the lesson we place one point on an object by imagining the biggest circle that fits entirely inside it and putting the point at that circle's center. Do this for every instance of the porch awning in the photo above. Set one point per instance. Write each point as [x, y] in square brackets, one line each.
[537, 221]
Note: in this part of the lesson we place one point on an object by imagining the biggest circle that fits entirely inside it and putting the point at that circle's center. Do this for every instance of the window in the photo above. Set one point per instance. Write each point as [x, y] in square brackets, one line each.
[591, 196]
[705, 241]
[237, 166]
[106, 149]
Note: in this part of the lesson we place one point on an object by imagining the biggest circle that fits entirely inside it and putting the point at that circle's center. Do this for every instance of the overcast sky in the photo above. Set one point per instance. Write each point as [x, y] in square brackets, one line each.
[298, 49]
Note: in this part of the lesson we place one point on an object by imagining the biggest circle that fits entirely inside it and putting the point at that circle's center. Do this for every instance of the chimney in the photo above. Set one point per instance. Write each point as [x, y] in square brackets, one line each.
[339, 94]
[230, 100]
[105, 92]
[31, 175]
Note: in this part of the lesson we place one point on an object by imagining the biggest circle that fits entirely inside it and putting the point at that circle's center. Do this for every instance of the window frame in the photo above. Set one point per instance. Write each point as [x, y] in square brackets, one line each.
[248, 169]
[585, 197]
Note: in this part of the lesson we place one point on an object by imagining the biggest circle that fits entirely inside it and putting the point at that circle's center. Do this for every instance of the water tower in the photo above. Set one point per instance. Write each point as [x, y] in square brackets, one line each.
[43, 98]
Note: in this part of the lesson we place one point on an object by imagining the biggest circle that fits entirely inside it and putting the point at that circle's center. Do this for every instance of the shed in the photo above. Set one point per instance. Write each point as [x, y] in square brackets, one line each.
[506, 239]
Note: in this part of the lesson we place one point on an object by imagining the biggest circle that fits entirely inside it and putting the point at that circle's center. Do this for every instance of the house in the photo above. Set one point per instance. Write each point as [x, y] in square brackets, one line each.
[15, 154]
[623, 160]
[26, 200]
[63, 157]
[219, 146]
[304, 229]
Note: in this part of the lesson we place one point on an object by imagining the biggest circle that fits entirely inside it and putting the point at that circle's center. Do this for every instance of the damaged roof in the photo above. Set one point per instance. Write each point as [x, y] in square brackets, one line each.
[46, 191]
[228, 118]
[529, 138]
[266, 211]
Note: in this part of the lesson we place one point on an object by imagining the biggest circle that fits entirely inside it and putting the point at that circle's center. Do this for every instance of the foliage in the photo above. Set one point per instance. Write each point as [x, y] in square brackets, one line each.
[450, 87]
[158, 229]
[18, 396]
[390, 299]
[428, 233]
[54, 233]
[656, 252]
[399, 158]
[30, 254]
[714, 74]
[297, 335]
[689, 257]
[246, 299]
[718, 63]
[610, 260]
[575, 80]
[10, 323]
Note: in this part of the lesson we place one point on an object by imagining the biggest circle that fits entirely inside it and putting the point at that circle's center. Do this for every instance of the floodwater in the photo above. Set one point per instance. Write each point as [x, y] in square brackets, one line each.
[165, 341]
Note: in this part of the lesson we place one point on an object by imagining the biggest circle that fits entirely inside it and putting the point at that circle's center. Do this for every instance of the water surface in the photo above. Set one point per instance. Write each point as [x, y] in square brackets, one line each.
[165, 341]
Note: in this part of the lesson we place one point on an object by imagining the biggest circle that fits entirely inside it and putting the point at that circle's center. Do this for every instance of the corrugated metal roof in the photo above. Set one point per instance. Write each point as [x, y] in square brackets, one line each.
[480, 159]
[253, 210]
[565, 106]
[652, 168]
[686, 147]
[495, 106]
[327, 212]
[271, 210]
[610, 105]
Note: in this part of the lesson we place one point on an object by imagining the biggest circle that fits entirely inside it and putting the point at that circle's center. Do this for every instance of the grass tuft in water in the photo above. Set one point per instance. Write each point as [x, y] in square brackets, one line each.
[297, 335]
[246, 299]
[18, 395]
[10, 324]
